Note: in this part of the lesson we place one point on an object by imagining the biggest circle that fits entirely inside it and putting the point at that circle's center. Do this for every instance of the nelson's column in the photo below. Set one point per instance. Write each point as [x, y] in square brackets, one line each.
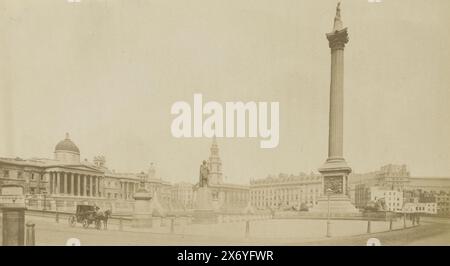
[335, 171]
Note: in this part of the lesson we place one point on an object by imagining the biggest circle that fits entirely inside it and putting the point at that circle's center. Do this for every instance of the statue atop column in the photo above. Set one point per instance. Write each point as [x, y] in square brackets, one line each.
[204, 173]
[337, 19]
[338, 10]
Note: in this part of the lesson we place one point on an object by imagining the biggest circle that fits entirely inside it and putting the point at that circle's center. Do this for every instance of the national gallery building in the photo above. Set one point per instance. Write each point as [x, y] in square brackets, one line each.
[62, 182]
[65, 181]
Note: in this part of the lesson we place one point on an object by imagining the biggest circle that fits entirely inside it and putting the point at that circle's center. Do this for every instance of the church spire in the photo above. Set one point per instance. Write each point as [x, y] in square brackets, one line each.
[215, 164]
[337, 19]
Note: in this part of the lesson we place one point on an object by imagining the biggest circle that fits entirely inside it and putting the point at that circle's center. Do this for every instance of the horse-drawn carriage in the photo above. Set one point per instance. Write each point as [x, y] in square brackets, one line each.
[89, 214]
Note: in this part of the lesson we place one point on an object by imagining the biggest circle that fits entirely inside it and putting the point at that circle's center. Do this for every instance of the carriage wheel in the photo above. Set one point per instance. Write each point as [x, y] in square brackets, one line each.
[98, 224]
[72, 221]
[85, 223]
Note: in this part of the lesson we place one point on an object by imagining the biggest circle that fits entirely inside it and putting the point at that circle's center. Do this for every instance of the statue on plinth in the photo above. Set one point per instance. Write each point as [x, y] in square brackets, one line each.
[203, 196]
[142, 217]
[204, 173]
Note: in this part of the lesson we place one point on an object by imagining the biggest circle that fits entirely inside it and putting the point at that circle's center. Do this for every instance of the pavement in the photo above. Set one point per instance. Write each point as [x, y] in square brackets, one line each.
[48, 232]
[431, 232]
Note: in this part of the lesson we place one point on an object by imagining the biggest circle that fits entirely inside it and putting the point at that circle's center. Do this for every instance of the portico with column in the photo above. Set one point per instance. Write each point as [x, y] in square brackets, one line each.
[68, 183]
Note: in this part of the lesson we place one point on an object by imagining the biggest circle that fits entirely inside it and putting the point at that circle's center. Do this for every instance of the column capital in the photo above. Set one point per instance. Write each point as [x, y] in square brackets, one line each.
[337, 39]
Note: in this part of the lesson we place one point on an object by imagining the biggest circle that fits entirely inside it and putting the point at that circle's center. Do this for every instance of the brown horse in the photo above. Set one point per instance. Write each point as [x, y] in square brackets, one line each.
[103, 217]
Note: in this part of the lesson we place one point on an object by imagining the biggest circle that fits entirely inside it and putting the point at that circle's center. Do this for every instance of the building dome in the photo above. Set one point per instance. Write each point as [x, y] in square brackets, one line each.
[67, 152]
[67, 145]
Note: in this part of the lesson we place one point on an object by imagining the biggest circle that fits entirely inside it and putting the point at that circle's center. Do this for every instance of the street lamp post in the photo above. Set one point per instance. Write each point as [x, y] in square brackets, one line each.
[329, 191]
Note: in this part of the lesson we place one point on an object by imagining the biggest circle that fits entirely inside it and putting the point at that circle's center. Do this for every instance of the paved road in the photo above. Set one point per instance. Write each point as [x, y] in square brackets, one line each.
[431, 232]
[51, 233]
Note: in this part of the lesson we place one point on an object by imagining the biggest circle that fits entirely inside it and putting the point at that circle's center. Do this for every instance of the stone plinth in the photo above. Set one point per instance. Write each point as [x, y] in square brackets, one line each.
[203, 199]
[338, 204]
[335, 182]
[142, 216]
[204, 211]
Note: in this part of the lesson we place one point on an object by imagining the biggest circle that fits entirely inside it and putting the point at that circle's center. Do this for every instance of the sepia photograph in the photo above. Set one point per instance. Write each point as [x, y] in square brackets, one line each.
[224, 123]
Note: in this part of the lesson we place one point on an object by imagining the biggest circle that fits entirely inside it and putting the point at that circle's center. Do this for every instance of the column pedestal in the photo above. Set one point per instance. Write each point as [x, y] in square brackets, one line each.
[204, 212]
[142, 216]
[335, 173]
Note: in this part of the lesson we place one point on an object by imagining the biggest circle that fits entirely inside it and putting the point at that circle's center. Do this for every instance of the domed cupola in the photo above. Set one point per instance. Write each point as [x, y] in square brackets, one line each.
[66, 151]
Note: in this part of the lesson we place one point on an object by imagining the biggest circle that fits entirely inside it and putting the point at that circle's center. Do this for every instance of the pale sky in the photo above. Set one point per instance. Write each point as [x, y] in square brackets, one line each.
[108, 72]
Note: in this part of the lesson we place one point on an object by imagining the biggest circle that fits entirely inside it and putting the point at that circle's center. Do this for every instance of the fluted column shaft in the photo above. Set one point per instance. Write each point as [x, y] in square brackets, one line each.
[72, 183]
[55, 182]
[93, 186]
[336, 130]
[78, 185]
[65, 182]
[90, 185]
[99, 187]
[58, 183]
[84, 185]
[50, 179]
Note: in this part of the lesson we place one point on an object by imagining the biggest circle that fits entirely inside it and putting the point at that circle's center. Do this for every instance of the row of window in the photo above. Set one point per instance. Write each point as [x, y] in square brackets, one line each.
[20, 175]
[280, 203]
[292, 197]
[285, 191]
[421, 208]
